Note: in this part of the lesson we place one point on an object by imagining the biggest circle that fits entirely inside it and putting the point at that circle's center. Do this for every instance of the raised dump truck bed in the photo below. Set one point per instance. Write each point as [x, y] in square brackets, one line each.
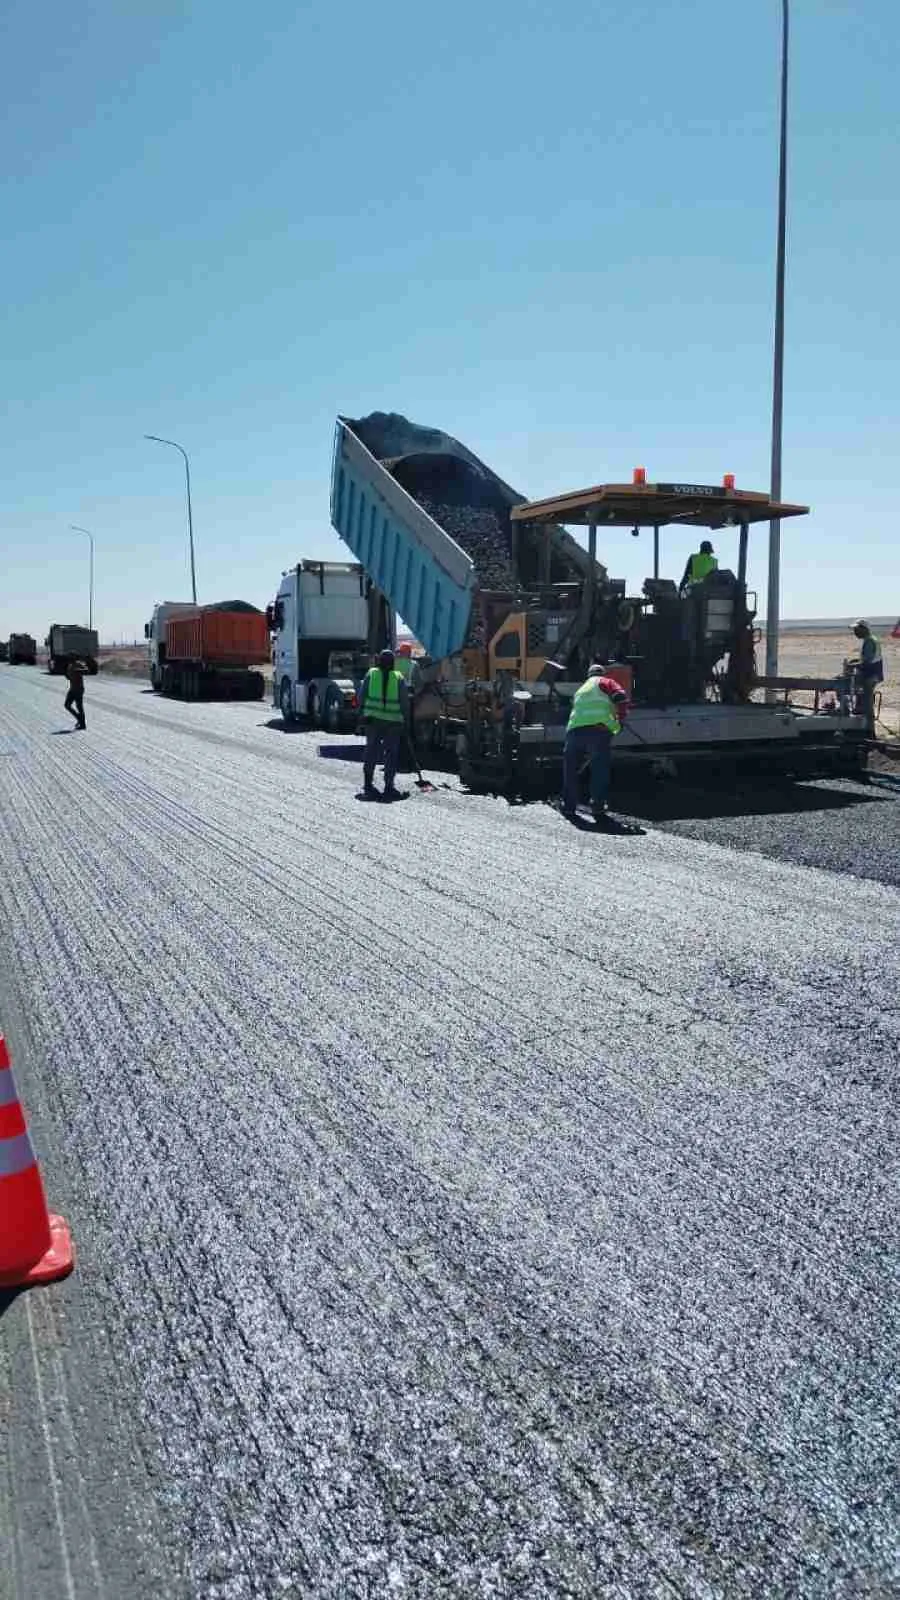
[432, 525]
[425, 575]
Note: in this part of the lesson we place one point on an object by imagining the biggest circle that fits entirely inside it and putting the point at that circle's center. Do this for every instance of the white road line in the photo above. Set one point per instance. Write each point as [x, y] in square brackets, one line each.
[71, 1593]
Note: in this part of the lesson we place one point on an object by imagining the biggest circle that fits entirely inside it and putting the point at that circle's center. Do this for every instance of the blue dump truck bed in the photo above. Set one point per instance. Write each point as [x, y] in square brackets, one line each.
[427, 578]
[431, 524]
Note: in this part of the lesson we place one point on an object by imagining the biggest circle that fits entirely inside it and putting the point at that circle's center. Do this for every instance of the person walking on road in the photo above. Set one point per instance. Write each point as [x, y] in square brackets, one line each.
[74, 702]
[870, 662]
[598, 711]
[385, 700]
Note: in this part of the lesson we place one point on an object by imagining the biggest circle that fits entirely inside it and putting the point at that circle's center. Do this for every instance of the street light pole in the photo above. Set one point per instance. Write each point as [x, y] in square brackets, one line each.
[75, 529]
[187, 473]
[773, 600]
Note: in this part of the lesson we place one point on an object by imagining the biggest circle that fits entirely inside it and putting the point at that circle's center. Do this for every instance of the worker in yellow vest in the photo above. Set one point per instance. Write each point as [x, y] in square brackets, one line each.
[598, 711]
[383, 711]
[699, 566]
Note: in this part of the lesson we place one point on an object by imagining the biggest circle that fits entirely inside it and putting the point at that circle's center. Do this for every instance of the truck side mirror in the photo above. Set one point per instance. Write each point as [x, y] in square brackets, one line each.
[146, 630]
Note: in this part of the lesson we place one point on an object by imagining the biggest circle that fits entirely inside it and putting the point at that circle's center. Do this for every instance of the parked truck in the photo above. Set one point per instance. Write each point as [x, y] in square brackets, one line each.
[322, 622]
[69, 641]
[22, 650]
[512, 610]
[207, 652]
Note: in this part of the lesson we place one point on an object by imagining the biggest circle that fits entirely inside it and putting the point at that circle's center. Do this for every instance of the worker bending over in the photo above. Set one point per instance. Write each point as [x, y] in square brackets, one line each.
[74, 701]
[871, 670]
[385, 699]
[698, 566]
[598, 711]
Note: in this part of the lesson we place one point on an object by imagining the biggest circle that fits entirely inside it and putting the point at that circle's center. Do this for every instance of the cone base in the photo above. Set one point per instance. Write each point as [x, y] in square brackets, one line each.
[57, 1262]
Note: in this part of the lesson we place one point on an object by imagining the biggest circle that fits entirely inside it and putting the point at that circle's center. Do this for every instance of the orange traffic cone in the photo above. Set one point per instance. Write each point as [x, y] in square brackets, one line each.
[35, 1246]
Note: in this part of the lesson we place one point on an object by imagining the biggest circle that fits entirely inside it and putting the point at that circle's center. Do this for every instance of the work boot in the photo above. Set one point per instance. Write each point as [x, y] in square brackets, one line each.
[80, 726]
[369, 790]
[390, 793]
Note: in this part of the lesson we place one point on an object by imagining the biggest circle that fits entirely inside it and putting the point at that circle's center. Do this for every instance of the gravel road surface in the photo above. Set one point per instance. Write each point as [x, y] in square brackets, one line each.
[466, 1205]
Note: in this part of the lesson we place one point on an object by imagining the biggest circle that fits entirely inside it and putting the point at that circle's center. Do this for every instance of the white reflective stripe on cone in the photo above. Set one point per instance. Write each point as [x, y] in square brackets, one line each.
[16, 1155]
[8, 1096]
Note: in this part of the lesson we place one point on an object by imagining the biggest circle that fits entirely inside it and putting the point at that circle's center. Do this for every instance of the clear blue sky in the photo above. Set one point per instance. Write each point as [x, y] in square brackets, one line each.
[548, 229]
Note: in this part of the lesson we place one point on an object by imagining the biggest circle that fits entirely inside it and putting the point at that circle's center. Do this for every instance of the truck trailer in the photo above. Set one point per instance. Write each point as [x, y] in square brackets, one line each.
[207, 652]
[321, 622]
[69, 641]
[512, 610]
[22, 650]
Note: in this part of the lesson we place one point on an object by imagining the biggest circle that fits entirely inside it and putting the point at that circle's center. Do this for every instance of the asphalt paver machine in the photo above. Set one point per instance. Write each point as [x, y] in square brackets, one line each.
[502, 665]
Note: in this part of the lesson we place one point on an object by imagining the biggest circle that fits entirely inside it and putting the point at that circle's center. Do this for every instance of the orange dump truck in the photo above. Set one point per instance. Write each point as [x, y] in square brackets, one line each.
[210, 651]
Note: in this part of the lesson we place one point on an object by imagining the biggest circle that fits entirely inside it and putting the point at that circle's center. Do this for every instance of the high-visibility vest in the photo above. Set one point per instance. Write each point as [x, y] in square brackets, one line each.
[381, 696]
[592, 708]
[872, 665]
[404, 665]
[702, 565]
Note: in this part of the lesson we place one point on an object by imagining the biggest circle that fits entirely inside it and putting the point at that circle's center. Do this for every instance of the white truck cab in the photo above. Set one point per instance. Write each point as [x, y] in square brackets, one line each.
[155, 635]
[319, 623]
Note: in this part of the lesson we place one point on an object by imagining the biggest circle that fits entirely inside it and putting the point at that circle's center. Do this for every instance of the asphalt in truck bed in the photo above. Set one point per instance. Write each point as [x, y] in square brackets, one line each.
[466, 1204]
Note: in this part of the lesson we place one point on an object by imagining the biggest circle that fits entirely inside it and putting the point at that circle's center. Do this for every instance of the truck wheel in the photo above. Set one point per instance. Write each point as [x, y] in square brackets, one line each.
[334, 711]
[285, 701]
[312, 708]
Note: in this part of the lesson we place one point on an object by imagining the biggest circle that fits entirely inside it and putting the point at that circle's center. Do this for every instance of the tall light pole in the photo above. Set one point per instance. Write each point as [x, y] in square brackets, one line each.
[773, 600]
[75, 529]
[187, 473]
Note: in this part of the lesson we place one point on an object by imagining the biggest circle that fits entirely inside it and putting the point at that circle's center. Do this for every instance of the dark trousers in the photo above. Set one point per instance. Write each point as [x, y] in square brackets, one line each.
[580, 744]
[75, 704]
[382, 748]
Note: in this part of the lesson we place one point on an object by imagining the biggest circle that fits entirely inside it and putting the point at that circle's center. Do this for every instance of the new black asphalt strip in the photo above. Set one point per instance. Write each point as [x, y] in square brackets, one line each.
[467, 1205]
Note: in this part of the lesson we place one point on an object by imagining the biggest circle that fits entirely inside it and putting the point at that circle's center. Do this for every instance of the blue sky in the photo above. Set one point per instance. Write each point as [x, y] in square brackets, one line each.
[548, 229]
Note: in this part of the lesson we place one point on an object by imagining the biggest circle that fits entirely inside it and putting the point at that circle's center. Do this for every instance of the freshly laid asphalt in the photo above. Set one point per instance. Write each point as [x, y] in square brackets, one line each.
[466, 1204]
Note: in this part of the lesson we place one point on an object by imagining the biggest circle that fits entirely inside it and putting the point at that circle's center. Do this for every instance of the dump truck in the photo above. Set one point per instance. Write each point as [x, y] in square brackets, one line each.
[207, 652]
[22, 650]
[512, 610]
[323, 621]
[69, 641]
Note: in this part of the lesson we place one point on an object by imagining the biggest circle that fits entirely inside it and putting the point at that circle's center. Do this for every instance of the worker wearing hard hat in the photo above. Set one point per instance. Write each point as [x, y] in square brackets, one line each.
[870, 665]
[403, 662]
[383, 711]
[598, 711]
[699, 566]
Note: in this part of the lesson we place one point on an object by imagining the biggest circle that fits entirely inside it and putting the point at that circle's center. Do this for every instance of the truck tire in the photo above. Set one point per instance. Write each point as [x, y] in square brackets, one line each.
[333, 716]
[312, 709]
[286, 704]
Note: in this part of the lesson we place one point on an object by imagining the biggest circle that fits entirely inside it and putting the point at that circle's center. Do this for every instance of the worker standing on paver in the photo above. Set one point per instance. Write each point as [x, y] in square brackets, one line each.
[870, 663]
[383, 711]
[598, 711]
[74, 701]
[699, 566]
